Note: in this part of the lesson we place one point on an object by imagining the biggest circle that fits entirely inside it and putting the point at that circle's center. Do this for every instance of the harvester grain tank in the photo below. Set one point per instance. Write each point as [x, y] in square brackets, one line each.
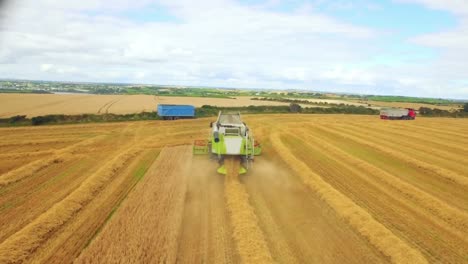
[398, 113]
[173, 112]
[229, 136]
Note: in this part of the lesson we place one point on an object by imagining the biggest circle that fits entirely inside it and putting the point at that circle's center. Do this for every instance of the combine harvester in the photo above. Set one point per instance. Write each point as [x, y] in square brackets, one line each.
[229, 138]
[398, 114]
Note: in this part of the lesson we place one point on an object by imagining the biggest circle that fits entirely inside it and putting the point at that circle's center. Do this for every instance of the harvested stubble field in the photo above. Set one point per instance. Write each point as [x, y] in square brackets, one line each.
[327, 189]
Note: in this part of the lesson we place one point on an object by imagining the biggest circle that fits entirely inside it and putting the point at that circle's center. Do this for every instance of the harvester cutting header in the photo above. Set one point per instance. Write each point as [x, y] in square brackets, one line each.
[229, 136]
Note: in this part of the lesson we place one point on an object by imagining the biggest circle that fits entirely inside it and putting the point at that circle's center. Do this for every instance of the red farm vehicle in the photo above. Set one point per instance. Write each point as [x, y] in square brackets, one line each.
[398, 114]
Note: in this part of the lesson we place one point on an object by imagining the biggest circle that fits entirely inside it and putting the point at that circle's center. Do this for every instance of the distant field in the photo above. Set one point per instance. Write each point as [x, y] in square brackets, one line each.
[331, 101]
[408, 105]
[69, 104]
[326, 189]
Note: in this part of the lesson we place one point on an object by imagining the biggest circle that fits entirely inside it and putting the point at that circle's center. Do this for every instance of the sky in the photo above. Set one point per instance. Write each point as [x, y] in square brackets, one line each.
[389, 47]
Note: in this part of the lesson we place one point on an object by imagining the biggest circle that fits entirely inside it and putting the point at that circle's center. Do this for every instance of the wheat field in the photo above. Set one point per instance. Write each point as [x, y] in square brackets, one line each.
[72, 104]
[327, 189]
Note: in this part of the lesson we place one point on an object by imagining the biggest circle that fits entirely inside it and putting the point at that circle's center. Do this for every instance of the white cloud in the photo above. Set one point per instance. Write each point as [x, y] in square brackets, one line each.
[341, 75]
[454, 6]
[210, 42]
[46, 67]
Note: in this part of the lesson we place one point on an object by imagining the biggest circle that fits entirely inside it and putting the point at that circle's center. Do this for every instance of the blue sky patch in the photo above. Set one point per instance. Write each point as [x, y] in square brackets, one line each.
[151, 13]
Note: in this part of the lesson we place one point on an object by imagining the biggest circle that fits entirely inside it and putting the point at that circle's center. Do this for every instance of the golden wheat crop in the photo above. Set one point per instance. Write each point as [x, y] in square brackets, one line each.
[327, 189]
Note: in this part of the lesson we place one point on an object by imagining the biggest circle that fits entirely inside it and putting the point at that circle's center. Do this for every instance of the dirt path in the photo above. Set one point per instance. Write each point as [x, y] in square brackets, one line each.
[206, 235]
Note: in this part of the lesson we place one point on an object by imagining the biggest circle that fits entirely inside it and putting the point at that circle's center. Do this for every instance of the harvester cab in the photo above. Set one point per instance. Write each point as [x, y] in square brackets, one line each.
[229, 136]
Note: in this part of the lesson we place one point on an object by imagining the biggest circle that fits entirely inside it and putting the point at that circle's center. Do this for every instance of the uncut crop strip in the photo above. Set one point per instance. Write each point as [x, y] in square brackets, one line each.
[250, 240]
[146, 227]
[377, 234]
[450, 215]
[22, 244]
[442, 172]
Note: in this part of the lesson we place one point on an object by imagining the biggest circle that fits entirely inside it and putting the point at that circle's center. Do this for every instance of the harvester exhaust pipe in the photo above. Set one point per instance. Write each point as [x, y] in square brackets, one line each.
[216, 134]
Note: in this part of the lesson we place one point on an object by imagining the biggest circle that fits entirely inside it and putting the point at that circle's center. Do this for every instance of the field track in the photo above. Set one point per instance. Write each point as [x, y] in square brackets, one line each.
[327, 189]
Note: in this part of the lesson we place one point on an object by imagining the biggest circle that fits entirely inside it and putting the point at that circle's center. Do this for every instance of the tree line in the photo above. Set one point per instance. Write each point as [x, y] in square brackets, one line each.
[208, 110]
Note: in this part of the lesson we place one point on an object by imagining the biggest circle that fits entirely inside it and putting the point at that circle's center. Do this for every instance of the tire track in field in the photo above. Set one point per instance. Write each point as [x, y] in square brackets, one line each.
[450, 215]
[206, 235]
[105, 108]
[112, 103]
[442, 172]
[250, 241]
[404, 141]
[379, 236]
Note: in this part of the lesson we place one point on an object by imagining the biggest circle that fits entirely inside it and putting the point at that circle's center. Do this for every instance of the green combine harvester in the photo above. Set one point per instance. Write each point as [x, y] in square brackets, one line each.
[229, 136]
